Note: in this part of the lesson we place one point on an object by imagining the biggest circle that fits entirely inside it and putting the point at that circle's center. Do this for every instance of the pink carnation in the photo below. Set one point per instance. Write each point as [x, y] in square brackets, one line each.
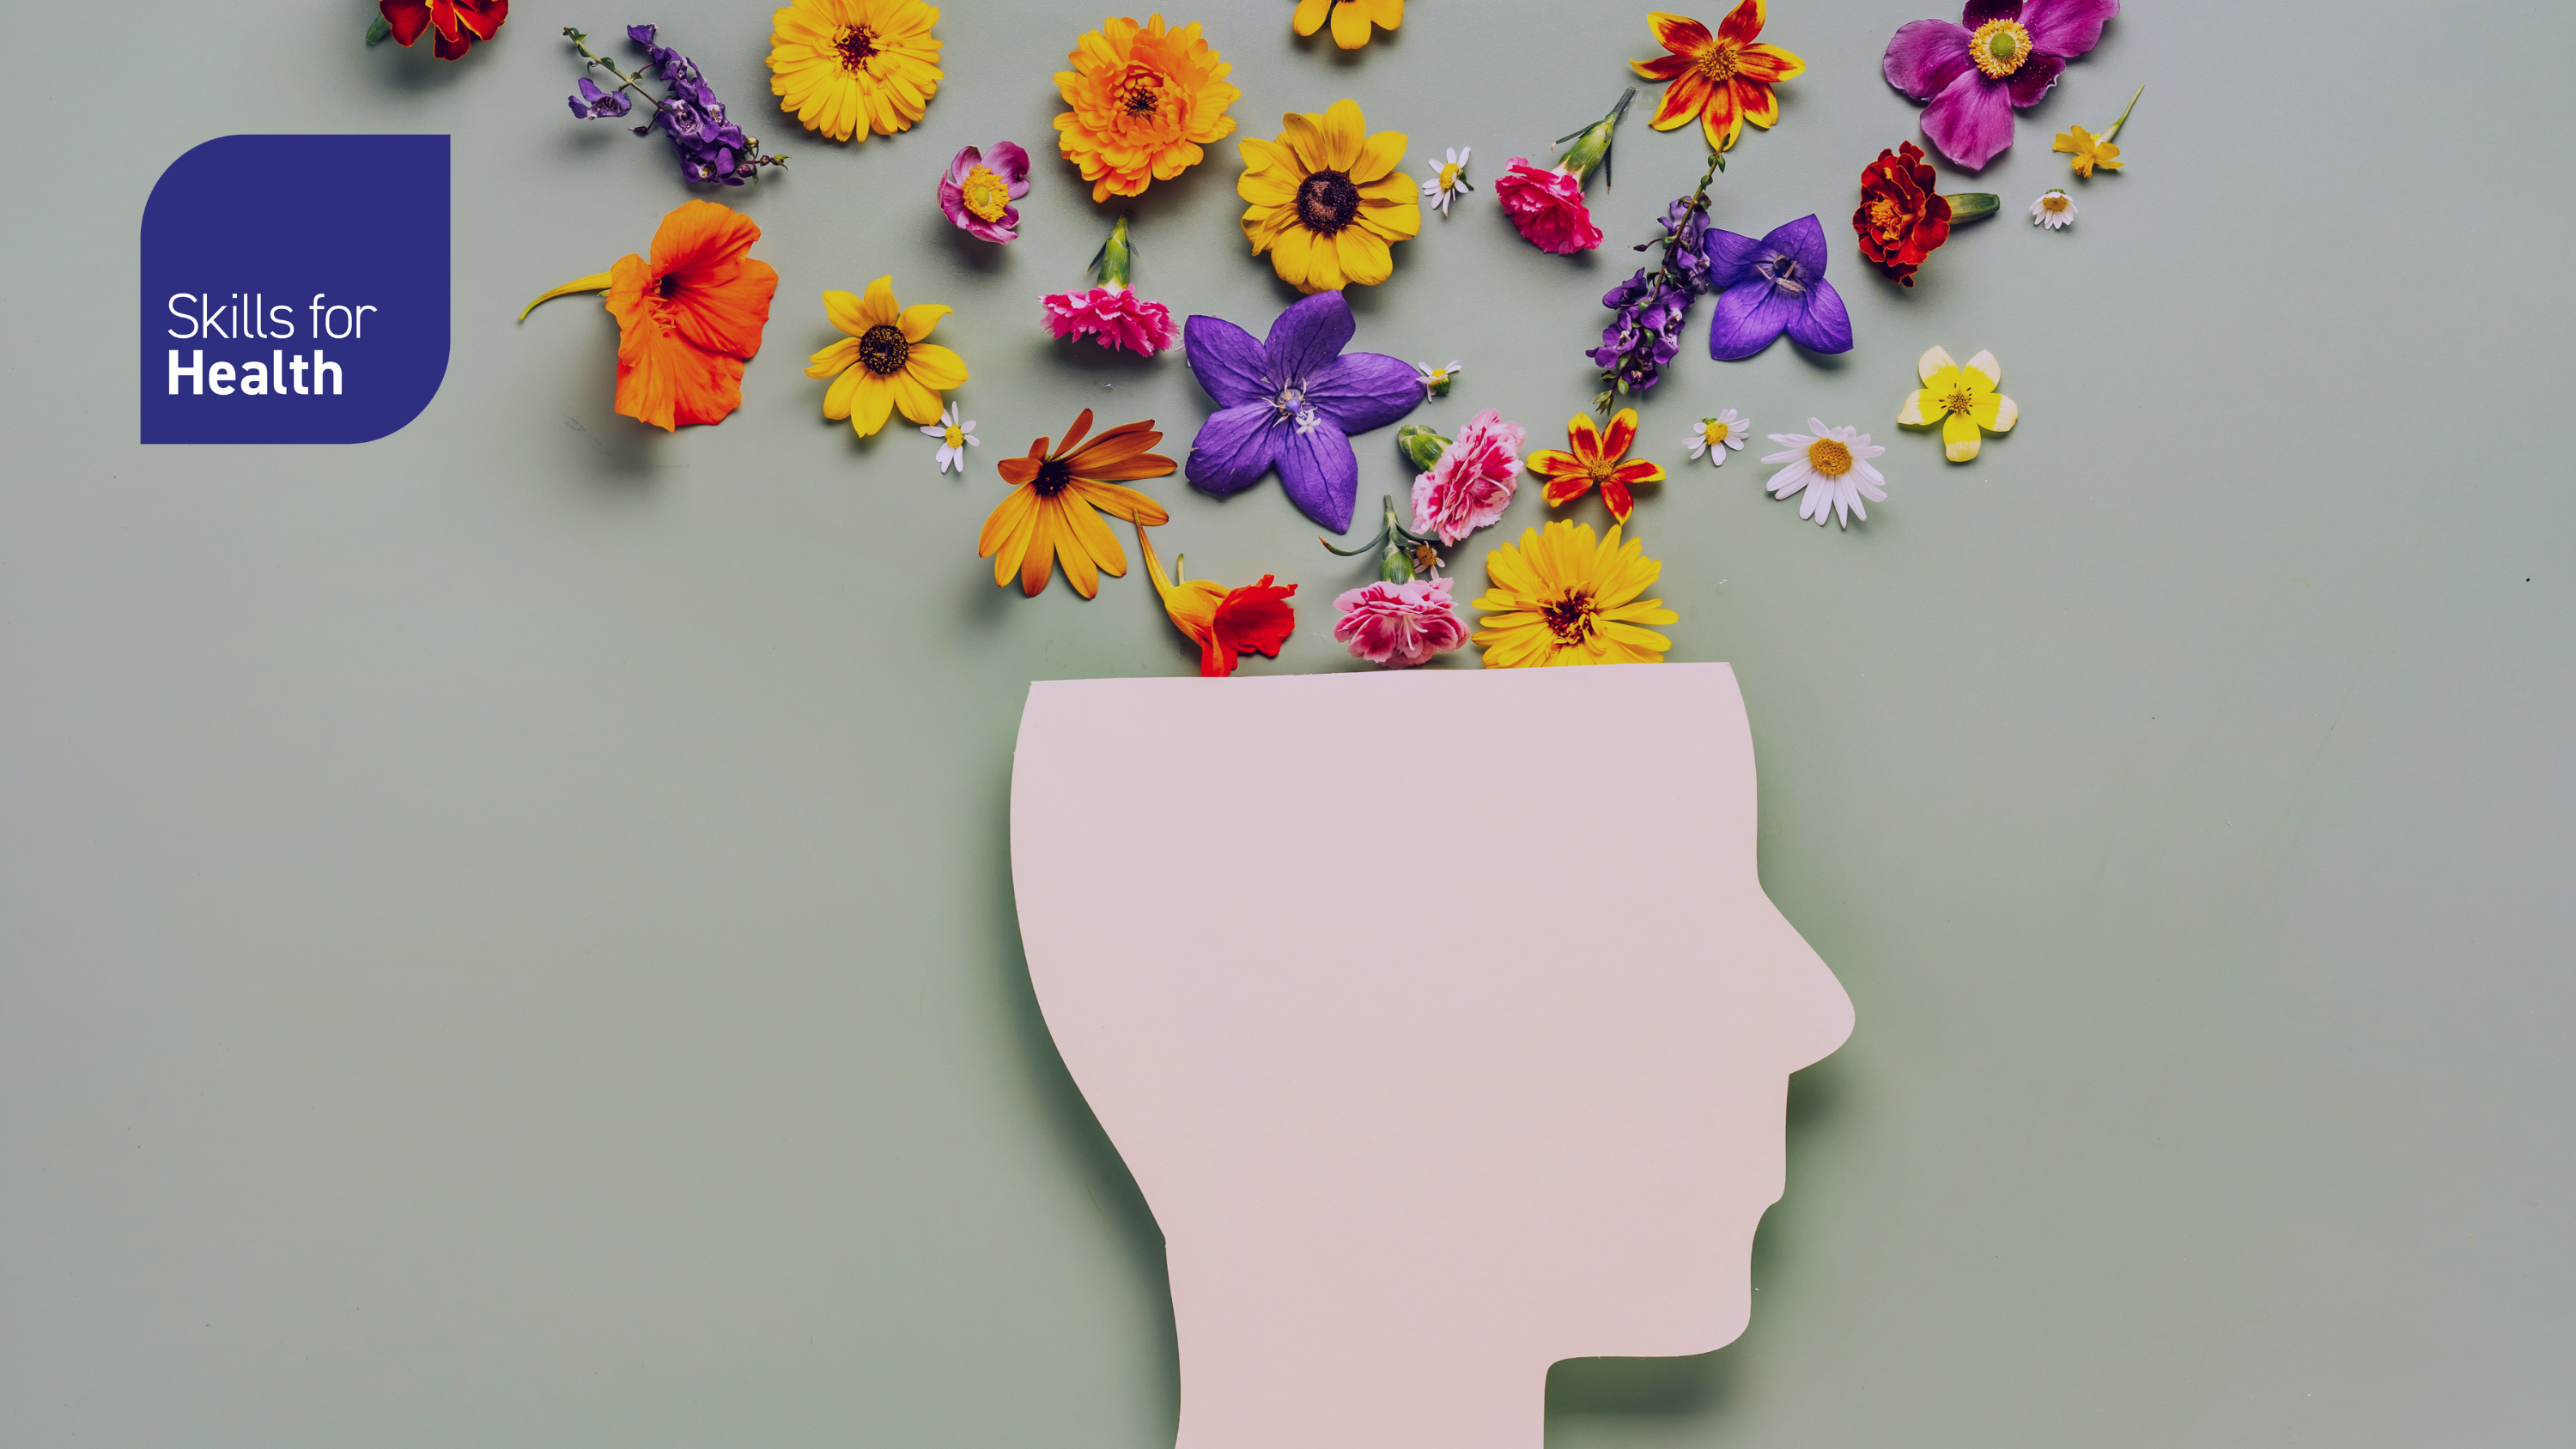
[1399, 625]
[1548, 208]
[1472, 483]
[1114, 315]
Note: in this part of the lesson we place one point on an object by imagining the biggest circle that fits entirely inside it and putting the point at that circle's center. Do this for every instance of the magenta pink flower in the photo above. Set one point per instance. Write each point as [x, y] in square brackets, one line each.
[978, 191]
[1548, 207]
[1115, 316]
[1472, 483]
[2001, 57]
[1399, 625]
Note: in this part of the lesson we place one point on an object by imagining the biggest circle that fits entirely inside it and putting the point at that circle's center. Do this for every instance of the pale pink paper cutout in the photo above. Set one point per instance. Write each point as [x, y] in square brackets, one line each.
[1440, 1016]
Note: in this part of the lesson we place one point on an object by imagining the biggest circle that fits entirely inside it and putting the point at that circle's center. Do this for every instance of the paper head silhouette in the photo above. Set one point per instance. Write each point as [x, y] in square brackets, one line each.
[1440, 1016]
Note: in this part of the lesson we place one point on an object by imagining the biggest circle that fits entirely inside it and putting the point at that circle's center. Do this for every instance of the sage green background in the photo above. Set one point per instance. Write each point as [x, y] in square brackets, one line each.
[506, 932]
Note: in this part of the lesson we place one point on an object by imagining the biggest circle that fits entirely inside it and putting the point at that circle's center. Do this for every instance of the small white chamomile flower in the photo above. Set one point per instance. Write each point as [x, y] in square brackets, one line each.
[954, 438]
[1448, 178]
[1435, 380]
[1832, 466]
[1714, 436]
[2054, 210]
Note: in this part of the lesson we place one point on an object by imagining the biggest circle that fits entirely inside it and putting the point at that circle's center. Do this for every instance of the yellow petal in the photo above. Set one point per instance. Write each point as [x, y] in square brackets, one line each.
[917, 402]
[1959, 438]
[917, 321]
[1310, 16]
[1379, 154]
[1350, 26]
[879, 308]
[1345, 130]
[1932, 362]
[836, 401]
[1984, 363]
[599, 283]
[1911, 415]
[1288, 255]
[870, 403]
[1011, 518]
[938, 368]
[1363, 256]
[1303, 133]
[1996, 413]
[1940, 385]
[835, 359]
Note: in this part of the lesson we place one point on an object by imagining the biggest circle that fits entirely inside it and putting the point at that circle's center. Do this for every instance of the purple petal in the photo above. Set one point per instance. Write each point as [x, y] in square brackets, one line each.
[1321, 474]
[2066, 27]
[1731, 258]
[2034, 78]
[1225, 359]
[1823, 325]
[961, 166]
[1234, 448]
[952, 203]
[1365, 390]
[1306, 337]
[1971, 120]
[1981, 11]
[1011, 163]
[1748, 317]
[1925, 56]
[641, 34]
[1804, 241]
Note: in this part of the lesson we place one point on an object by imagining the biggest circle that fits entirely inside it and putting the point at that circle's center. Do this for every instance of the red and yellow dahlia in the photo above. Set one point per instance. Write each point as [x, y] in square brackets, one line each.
[1598, 457]
[1724, 79]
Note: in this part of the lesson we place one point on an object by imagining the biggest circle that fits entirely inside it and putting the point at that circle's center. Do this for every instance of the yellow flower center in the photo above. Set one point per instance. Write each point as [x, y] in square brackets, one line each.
[1720, 61]
[1715, 432]
[1572, 618]
[1883, 214]
[1448, 178]
[1326, 202]
[1439, 375]
[956, 436]
[1962, 402]
[1830, 456]
[987, 195]
[883, 349]
[2056, 201]
[1999, 47]
[857, 45]
[1424, 560]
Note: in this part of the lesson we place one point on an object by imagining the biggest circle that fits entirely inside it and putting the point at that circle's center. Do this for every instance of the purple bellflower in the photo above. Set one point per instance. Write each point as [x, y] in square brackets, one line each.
[2001, 57]
[1291, 402]
[1771, 286]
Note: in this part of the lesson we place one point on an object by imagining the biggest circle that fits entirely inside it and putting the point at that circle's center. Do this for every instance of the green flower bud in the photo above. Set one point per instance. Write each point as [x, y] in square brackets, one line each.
[1421, 445]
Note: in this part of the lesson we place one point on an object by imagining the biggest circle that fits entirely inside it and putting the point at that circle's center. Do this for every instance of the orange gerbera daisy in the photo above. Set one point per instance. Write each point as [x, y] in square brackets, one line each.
[688, 319]
[1724, 79]
[1596, 459]
[1225, 623]
[1050, 513]
[1146, 101]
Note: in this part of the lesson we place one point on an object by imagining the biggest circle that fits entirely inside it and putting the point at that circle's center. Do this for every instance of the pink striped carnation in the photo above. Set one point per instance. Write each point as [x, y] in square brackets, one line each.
[1115, 316]
[1472, 483]
[1399, 625]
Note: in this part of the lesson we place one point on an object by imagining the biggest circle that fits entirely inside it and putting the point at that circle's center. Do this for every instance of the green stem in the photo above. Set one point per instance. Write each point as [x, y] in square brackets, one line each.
[1592, 143]
[1115, 262]
[1973, 205]
[625, 81]
[2124, 114]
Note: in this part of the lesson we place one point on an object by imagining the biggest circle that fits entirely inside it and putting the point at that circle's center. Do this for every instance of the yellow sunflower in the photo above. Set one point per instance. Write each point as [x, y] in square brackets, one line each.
[1559, 599]
[1146, 101]
[885, 362]
[1351, 18]
[1326, 199]
[849, 67]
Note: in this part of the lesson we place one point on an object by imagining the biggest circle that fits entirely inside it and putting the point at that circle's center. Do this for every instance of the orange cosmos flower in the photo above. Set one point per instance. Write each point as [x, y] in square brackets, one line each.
[1596, 459]
[1225, 623]
[1724, 79]
[1050, 513]
[1146, 101]
[688, 319]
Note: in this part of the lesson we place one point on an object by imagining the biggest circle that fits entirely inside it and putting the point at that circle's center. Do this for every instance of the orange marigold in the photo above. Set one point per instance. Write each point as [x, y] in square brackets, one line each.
[1145, 102]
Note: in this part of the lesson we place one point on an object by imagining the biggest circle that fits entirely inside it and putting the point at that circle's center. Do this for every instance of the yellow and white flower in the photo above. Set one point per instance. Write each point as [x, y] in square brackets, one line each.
[1436, 380]
[1962, 400]
[1832, 466]
[954, 439]
[1714, 436]
[2054, 210]
[1448, 178]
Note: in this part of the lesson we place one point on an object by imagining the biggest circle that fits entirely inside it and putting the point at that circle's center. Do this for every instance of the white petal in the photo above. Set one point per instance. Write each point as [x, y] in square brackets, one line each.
[1818, 425]
[1872, 474]
[1792, 478]
[1931, 362]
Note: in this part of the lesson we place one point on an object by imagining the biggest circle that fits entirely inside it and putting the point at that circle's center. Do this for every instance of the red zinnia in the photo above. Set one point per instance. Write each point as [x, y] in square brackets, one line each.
[1901, 220]
[459, 23]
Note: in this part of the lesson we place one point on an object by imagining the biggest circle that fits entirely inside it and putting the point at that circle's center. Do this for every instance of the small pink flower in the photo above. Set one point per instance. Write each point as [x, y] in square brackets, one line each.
[978, 191]
[1399, 625]
[1472, 483]
[1548, 208]
[1114, 315]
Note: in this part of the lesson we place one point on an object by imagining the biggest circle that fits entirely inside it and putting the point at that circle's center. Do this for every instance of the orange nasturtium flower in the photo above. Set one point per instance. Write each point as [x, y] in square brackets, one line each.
[1351, 18]
[1225, 623]
[1146, 101]
[1724, 79]
[1050, 513]
[1597, 458]
[688, 319]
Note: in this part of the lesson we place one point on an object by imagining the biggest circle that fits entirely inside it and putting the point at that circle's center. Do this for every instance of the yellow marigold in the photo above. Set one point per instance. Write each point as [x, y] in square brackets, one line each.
[1351, 18]
[1145, 102]
[1561, 599]
[1326, 199]
[849, 67]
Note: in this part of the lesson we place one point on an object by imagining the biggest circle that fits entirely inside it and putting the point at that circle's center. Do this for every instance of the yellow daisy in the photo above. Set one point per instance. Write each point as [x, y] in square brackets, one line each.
[1351, 18]
[849, 67]
[1327, 199]
[1561, 599]
[884, 363]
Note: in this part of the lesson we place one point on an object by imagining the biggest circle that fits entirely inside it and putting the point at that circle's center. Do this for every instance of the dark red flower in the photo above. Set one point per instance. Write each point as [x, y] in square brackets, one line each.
[1901, 219]
[458, 23]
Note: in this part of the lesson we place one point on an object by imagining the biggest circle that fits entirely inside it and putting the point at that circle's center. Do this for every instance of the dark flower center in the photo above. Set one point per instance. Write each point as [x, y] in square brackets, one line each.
[858, 46]
[1326, 202]
[1054, 476]
[1782, 271]
[883, 350]
[1571, 619]
[669, 286]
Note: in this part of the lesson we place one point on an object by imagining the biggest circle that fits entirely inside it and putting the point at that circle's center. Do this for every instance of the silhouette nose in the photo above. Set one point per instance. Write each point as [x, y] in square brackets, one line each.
[1819, 1011]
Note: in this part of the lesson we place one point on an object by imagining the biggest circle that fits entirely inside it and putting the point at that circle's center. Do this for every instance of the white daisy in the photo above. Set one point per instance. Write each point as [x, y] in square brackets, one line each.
[954, 438]
[1435, 380]
[1716, 435]
[1448, 178]
[2053, 210]
[1832, 465]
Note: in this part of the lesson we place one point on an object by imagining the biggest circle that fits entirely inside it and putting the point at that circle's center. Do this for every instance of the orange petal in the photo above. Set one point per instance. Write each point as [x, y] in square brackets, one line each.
[1678, 33]
[1768, 63]
[1622, 434]
[1743, 24]
[1756, 101]
[1638, 470]
[1723, 118]
[1662, 67]
[1566, 487]
[1555, 463]
[1683, 99]
[1616, 494]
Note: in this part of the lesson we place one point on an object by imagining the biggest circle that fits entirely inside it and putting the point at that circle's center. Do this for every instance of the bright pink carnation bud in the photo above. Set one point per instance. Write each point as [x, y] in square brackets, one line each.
[1114, 315]
[1399, 625]
[1472, 483]
[1548, 208]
